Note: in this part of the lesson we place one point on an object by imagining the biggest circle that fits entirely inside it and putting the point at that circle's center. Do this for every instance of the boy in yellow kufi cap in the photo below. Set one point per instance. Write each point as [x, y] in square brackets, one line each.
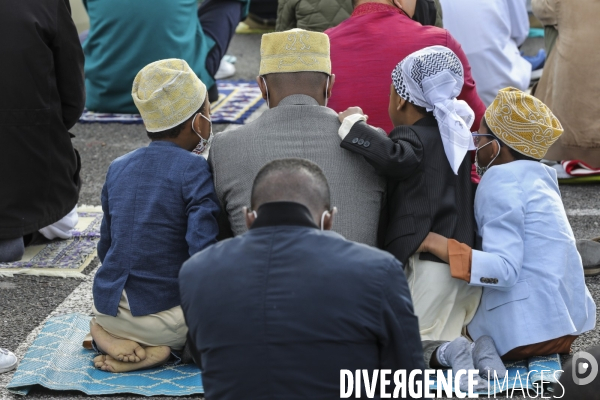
[160, 208]
[535, 301]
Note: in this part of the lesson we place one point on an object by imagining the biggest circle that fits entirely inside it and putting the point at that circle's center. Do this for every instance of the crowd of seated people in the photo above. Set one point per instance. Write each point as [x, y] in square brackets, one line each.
[288, 303]
[309, 241]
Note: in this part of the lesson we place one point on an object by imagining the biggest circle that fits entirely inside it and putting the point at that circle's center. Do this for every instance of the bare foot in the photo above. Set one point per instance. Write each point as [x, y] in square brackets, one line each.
[155, 356]
[119, 349]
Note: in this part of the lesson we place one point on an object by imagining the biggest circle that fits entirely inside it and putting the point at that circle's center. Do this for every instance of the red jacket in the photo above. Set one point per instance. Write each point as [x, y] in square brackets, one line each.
[366, 48]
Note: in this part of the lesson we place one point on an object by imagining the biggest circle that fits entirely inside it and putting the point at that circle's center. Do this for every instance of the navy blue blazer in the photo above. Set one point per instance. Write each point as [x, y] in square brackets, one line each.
[277, 312]
[160, 208]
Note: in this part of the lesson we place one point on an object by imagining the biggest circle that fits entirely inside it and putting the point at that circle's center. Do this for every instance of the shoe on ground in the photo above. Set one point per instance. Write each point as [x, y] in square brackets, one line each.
[590, 255]
[8, 361]
[226, 70]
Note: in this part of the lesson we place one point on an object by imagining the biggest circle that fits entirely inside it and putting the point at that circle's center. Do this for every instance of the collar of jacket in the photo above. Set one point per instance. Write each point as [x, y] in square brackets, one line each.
[280, 213]
[372, 7]
[298, 100]
[428, 120]
[164, 143]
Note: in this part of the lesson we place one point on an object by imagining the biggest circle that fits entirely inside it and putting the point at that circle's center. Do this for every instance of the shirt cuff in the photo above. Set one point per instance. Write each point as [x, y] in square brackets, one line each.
[460, 256]
[348, 123]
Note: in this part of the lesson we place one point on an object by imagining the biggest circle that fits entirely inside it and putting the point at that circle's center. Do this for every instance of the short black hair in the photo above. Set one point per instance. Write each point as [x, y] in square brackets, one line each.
[516, 155]
[174, 131]
[292, 179]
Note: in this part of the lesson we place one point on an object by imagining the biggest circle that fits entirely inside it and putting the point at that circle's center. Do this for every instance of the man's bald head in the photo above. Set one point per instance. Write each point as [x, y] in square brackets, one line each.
[292, 179]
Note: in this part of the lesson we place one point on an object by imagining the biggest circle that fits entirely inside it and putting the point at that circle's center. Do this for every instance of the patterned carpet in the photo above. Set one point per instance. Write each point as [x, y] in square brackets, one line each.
[66, 258]
[57, 360]
[238, 100]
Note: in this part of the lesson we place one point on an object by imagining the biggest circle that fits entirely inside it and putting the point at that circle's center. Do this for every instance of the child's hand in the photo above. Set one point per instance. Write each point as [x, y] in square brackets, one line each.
[424, 247]
[351, 111]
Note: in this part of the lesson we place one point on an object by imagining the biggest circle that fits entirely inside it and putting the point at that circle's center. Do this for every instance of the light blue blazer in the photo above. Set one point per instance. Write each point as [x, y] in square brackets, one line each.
[532, 276]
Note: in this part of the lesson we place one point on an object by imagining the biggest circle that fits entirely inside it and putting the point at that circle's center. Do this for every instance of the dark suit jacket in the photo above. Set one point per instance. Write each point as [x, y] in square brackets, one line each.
[424, 194]
[275, 313]
[42, 95]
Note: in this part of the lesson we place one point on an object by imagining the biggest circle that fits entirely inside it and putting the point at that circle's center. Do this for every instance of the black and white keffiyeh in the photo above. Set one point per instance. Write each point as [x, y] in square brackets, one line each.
[432, 78]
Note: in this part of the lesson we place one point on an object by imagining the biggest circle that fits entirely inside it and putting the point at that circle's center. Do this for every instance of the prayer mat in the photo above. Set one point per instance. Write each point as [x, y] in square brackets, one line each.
[66, 258]
[526, 374]
[565, 178]
[237, 101]
[57, 361]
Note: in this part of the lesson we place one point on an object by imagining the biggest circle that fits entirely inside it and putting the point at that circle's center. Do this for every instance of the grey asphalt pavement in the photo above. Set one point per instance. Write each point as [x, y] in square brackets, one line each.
[25, 301]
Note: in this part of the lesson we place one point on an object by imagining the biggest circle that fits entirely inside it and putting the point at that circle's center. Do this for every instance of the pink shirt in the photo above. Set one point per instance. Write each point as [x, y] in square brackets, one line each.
[366, 48]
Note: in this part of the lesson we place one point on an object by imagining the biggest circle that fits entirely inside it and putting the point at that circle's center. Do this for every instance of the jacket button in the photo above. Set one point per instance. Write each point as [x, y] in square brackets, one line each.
[367, 143]
[360, 142]
[355, 140]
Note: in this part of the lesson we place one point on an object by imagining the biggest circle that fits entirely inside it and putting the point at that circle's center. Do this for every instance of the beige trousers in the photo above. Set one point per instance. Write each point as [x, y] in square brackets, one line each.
[444, 305]
[166, 328]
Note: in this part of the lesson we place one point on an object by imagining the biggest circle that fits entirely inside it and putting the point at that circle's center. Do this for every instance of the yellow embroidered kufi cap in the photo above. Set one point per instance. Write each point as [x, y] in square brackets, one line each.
[523, 122]
[167, 93]
[295, 50]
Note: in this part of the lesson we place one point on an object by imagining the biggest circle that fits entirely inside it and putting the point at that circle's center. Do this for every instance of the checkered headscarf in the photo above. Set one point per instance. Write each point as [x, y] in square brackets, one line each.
[432, 78]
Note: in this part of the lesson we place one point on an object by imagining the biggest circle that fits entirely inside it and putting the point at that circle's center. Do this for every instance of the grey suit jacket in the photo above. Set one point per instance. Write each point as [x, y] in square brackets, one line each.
[298, 127]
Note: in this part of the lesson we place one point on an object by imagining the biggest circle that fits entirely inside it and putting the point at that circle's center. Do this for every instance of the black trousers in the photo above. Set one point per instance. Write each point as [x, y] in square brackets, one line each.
[218, 19]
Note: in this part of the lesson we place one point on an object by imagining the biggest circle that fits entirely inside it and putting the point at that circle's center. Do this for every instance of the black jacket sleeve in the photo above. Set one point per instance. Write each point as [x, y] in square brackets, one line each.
[68, 64]
[396, 156]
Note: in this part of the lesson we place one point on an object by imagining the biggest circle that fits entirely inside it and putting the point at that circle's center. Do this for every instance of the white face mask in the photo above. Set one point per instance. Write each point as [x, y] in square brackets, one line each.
[201, 146]
[333, 212]
[266, 90]
[481, 170]
[326, 90]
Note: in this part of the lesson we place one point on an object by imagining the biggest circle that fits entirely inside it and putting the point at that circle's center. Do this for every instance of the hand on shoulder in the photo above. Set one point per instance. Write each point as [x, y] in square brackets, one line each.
[351, 111]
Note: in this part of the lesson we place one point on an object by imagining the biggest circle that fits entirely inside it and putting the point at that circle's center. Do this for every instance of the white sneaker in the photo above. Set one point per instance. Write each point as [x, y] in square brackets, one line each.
[8, 360]
[226, 70]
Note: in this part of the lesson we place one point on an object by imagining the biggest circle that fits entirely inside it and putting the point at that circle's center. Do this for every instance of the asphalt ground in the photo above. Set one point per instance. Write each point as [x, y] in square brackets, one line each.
[26, 301]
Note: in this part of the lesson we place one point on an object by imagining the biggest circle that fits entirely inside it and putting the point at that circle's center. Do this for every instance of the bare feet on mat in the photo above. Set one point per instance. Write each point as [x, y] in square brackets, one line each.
[155, 356]
[123, 350]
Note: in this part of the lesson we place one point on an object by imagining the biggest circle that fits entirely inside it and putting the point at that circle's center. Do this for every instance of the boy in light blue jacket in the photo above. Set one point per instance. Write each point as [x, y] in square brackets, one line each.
[535, 301]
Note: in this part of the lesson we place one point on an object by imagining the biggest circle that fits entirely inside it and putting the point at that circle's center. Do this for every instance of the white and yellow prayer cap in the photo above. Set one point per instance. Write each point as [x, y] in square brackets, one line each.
[295, 50]
[523, 122]
[167, 93]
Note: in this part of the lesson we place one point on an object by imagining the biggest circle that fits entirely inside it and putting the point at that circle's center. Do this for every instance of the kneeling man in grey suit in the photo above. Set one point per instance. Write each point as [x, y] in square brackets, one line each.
[295, 78]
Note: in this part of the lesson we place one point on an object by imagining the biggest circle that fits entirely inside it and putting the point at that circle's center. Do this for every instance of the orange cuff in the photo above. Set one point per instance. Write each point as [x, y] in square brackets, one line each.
[459, 255]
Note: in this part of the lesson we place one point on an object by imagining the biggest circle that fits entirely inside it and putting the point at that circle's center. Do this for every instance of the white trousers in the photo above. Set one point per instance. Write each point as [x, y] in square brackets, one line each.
[444, 305]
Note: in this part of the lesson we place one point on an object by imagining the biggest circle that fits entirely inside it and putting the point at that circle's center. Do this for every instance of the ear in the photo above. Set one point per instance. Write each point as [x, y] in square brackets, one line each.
[249, 216]
[261, 85]
[328, 220]
[402, 104]
[331, 82]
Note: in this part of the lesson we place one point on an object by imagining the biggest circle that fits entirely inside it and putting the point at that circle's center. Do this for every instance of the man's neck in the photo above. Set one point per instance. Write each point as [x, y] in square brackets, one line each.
[360, 2]
[275, 98]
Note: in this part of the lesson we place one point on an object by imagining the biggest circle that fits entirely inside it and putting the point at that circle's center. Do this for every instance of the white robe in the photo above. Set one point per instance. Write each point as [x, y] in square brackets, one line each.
[490, 33]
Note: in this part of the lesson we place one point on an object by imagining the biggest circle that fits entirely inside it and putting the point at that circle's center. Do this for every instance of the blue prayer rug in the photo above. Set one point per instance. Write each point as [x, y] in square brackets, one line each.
[57, 360]
[238, 100]
[535, 374]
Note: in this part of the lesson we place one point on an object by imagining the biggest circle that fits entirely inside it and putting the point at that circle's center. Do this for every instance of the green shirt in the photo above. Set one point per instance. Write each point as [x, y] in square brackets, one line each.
[126, 35]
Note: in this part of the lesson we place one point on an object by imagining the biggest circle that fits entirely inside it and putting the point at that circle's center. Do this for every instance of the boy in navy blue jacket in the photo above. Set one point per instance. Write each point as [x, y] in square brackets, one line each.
[160, 208]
